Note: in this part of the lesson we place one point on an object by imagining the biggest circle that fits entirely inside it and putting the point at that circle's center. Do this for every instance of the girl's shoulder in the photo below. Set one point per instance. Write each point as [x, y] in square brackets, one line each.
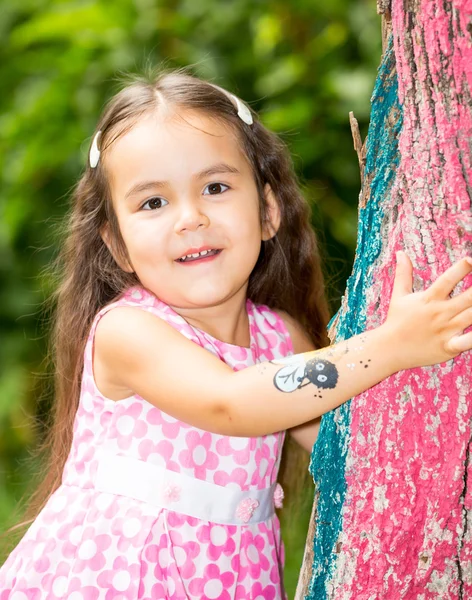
[128, 326]
[139, 297]
[119, 330]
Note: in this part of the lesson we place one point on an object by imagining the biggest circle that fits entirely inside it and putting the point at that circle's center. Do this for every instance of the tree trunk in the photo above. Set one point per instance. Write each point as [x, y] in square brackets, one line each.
[392, 516]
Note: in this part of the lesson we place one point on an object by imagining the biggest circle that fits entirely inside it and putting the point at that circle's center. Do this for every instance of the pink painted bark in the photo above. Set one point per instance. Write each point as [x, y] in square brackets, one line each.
[407, 527]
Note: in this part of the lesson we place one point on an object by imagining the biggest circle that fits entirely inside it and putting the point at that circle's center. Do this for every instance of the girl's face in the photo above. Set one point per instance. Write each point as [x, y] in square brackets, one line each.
[188, 208]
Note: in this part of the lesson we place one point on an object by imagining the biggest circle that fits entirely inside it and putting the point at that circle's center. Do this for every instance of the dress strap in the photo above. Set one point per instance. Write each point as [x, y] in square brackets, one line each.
[138, 297]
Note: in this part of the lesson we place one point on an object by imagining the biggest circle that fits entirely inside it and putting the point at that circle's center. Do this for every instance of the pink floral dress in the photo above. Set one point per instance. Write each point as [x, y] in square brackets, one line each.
[87, 544]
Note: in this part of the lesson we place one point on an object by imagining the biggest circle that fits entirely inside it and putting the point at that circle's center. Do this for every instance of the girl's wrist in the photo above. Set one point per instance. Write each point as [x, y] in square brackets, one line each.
[391, 348]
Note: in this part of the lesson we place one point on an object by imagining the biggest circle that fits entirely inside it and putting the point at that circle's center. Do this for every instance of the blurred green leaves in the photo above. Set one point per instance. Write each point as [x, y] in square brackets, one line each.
[302, 64]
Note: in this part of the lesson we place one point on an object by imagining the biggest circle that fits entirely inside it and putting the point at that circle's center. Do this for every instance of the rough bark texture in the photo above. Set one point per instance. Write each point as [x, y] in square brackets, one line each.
[392, 468]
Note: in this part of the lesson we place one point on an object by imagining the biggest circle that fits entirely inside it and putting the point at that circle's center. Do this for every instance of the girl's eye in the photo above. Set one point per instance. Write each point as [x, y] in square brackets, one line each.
[154, 203]
[215, 188]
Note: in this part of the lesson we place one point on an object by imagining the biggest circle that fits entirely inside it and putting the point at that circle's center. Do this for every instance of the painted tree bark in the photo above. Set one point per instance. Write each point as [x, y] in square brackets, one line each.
[392, 512]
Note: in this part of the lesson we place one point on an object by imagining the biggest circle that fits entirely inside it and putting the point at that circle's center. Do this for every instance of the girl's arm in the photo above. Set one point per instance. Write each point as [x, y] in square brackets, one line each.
[142, 353]
[305, 435]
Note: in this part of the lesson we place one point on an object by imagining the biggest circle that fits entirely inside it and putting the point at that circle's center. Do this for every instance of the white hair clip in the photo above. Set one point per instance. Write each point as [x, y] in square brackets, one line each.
[243, 111]
[94, 155]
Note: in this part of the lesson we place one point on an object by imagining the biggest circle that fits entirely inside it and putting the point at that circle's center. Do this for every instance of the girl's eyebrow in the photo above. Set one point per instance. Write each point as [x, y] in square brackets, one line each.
[213, 170]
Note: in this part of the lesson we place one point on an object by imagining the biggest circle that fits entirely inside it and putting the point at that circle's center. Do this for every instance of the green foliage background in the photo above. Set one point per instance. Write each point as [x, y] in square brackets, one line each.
[303, 64]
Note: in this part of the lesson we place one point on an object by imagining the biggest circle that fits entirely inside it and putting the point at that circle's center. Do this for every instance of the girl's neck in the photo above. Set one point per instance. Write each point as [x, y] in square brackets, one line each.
[227, 322]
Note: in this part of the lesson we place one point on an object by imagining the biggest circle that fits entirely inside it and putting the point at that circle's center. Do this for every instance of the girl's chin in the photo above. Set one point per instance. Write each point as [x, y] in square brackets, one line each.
[196, 301]
[201, 294]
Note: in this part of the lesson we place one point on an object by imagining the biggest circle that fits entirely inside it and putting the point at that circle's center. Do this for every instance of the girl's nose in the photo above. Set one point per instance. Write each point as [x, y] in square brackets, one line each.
[190, 218]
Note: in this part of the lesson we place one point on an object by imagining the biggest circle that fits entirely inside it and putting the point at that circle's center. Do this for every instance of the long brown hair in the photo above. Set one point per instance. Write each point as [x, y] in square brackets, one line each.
[287, 275]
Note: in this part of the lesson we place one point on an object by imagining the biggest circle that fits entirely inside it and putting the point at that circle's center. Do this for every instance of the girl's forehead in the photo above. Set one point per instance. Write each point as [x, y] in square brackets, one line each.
[175, 136]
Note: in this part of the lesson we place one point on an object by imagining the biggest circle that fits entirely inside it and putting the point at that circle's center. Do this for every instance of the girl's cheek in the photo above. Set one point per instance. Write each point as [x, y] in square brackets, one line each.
[145, 228]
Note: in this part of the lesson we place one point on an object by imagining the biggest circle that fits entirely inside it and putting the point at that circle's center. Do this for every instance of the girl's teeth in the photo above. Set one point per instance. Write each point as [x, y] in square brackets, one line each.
[196, 255]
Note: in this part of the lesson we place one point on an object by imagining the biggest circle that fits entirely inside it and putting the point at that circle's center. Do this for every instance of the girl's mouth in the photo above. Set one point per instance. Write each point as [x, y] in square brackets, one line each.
[202, 256]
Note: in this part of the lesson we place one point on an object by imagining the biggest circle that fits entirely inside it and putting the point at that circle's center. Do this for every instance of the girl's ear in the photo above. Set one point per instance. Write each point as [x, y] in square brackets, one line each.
[271, 223]
[109, 243]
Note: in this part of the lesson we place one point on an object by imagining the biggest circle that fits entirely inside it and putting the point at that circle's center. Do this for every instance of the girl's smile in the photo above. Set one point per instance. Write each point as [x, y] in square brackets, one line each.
[198, 255]
[188, 211]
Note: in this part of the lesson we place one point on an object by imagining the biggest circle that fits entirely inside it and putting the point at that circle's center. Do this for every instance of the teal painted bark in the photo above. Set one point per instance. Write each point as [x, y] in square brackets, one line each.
[329, 453]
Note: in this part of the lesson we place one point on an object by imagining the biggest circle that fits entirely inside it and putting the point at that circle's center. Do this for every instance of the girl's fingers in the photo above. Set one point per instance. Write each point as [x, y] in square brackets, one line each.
[460, 343]
[446, 282]
[403, 282]
[463, 320]
[461, 302]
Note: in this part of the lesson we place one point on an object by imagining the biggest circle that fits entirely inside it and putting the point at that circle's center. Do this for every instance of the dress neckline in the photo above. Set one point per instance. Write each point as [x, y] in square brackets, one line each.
[250, 307]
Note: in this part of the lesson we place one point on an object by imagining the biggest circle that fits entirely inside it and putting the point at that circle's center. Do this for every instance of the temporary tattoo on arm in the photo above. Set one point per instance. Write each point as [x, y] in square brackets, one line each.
[315, 368]
[301, 372]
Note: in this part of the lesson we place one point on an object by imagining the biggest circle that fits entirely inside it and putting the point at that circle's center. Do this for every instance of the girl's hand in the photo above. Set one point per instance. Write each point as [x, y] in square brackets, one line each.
[428, 326]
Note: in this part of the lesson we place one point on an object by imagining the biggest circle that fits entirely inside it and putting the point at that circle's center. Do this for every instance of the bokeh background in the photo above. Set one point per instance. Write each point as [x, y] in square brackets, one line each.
[302, 64]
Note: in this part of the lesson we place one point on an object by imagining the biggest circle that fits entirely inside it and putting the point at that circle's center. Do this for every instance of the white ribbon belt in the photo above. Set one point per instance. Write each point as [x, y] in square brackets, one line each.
[125, 476]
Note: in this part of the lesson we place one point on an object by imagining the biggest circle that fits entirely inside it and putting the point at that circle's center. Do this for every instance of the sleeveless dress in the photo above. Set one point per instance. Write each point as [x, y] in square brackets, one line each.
[87, 544]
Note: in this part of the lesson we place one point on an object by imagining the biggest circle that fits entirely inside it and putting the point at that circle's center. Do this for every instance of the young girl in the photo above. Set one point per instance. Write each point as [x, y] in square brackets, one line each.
[191, 277]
